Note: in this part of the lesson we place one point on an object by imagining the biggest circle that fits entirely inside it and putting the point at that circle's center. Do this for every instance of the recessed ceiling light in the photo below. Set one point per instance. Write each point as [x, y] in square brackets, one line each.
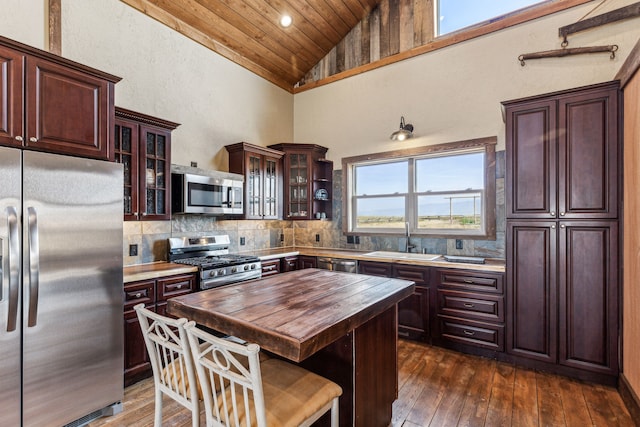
[285, 21]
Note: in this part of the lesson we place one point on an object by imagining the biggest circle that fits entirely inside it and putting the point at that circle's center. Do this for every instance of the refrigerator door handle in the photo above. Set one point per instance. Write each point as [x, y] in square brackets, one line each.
[14, 267]
[34, 266]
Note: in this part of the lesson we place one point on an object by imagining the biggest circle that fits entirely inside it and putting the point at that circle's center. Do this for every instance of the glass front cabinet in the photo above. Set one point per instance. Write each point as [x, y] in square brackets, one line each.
[143, 146]
[262, 169]
[307, 181]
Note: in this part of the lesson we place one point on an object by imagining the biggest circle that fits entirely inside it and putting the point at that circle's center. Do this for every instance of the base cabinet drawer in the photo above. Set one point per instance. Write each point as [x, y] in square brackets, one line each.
[270, 267]
[470, 332]
[468, 305]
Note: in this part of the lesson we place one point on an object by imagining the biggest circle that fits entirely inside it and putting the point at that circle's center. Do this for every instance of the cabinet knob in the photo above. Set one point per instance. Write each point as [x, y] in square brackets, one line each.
[553, 227]
[138, 295]
[552, 213]
[33, 139]
[179, 286]
[561, 225]
[19, 138]
[561, 213]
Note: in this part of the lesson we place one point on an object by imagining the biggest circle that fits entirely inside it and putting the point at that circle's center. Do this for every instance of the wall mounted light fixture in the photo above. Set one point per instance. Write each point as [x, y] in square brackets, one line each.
[405, 131]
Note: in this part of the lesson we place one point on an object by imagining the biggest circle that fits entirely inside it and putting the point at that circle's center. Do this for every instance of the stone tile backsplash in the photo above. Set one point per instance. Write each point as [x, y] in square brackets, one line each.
[151, 237]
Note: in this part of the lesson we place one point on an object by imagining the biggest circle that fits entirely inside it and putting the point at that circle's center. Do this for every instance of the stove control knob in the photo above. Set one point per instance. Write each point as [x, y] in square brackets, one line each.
[221, 272]
[234, 269]
[253, 266]
[246, 267]
[212, 273]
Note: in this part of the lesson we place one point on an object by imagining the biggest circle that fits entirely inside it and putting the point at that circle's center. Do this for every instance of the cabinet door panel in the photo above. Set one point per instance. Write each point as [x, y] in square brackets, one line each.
[155, 171]
[588, 155]
[531, 160]
[136, 359]
[126, 152]
[305, 261]
[588, 295]
[414, 315]
[66, 111]
[11, 97]
[532, 290]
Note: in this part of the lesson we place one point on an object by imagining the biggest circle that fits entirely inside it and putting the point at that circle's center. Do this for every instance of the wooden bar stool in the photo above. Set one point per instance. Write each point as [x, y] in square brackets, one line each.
[239, 390]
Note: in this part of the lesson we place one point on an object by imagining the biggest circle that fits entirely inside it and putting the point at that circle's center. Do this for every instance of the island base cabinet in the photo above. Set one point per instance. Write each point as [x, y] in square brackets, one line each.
[354, 362]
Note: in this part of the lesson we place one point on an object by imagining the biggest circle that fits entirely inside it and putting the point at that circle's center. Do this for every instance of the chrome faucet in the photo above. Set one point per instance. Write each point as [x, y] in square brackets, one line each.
[408, 235]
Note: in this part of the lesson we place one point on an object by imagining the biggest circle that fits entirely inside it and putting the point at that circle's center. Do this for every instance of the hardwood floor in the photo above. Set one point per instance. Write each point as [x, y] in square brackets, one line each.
[438, 387]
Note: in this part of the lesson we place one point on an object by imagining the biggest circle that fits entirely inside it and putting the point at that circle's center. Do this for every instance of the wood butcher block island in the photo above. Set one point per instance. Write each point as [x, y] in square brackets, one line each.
[340, 325]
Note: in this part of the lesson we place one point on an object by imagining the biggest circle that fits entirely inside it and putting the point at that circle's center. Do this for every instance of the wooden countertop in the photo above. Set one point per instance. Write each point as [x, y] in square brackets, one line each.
[293, 314]
[491, 264]
[134, 273]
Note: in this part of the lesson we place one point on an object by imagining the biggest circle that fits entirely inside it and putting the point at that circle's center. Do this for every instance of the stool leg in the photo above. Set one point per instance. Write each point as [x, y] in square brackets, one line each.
[335, 413]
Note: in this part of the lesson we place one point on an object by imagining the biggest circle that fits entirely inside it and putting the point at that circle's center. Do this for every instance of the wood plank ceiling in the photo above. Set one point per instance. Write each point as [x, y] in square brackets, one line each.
[248, 32]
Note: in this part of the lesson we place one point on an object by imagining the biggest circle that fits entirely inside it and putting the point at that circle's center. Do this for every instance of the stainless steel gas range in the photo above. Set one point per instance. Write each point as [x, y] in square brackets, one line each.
[216, 266]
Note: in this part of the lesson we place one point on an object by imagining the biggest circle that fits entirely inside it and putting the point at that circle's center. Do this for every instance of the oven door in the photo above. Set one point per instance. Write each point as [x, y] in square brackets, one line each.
[200, 194]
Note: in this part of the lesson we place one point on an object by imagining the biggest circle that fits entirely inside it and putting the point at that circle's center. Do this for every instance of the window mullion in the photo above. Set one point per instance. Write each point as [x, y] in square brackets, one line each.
[411, 201]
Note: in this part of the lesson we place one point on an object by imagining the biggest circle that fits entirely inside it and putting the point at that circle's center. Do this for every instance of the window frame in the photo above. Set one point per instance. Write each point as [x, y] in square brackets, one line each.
[488, 231]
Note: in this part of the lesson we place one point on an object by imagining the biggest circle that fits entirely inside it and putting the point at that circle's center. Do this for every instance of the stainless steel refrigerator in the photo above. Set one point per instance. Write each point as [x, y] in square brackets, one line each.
[61, 325]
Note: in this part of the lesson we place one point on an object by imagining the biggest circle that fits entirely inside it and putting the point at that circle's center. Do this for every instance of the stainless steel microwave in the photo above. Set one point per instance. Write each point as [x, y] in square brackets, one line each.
[200, 194]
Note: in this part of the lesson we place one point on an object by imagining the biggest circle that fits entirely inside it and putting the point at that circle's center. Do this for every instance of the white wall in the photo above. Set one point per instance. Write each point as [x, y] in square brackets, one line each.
[25, 21]
[455, 93]
[164, 74]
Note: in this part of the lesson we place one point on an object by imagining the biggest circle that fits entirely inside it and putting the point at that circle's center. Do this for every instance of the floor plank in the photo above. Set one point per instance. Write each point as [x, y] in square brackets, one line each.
[443, 388]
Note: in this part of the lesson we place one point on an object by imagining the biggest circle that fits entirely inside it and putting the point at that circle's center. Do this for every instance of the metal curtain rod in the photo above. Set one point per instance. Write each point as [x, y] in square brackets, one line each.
[558, 53]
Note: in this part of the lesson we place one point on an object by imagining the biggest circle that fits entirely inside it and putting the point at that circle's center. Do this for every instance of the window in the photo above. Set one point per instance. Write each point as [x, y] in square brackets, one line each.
[453, 15]
[444, 190]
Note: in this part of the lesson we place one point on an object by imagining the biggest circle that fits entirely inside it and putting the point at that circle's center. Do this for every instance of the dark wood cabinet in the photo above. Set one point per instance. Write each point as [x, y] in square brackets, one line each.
[308, 177]
[471, 309]
[48, 103]
[270, 267]
[374, 268]
[306, 261]
[143, 145]
[154, 295]
[415, 311]
[563, 155]
[289, 263]
[262, 170]
[562, 193]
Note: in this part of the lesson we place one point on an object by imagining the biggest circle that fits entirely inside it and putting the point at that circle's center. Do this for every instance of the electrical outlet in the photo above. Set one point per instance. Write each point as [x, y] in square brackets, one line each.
[350, 239]
[242, 241]
[357, 239]
[458, 244]
[317, 237]
[133, 250]
[194, 164]
[281, 237]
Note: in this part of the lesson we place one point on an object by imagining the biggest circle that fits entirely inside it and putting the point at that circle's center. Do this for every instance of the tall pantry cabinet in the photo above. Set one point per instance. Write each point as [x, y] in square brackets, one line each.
[562, 191]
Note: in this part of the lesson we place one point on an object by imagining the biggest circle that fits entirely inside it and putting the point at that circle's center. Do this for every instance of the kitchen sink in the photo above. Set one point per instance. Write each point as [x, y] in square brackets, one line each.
[403, 255]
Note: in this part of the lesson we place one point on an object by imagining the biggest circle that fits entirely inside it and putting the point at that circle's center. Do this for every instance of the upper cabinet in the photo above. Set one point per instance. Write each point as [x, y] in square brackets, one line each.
[562, 155]
[262, 170]
[143, 145]
[48, 103]
[307, 181]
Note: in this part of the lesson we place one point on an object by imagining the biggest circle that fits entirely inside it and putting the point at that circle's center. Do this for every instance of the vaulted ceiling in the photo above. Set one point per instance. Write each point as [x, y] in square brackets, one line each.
[248, 32]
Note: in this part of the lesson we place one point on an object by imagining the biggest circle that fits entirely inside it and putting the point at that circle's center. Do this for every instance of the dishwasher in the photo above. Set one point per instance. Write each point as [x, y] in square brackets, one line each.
[338, 264]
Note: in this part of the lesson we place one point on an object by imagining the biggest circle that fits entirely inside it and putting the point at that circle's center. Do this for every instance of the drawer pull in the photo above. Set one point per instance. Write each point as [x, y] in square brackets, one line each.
[403, 333]
[468, 305]
[269, 267]
[179, 286]
[469, 333]
[138, 295]
[468, 281]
